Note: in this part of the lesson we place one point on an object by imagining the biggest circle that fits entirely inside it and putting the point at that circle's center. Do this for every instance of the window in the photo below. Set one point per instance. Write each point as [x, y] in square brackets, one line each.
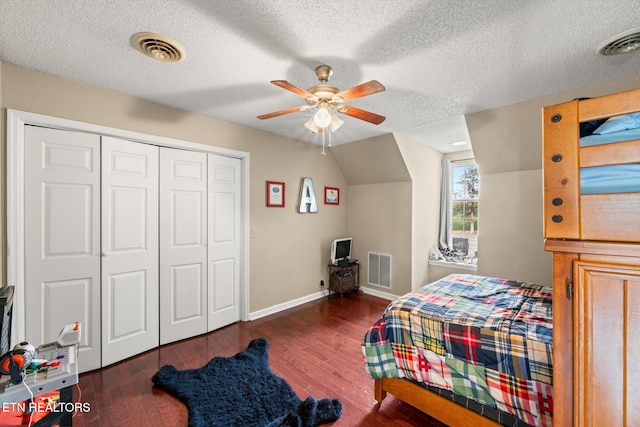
[464, 199]
[459, 213]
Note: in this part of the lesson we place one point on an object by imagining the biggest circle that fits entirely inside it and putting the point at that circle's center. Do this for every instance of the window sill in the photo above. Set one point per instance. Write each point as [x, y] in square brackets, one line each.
[458, 265]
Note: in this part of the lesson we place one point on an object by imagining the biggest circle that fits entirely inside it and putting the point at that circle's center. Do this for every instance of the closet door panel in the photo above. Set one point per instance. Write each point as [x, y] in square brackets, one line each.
[224, 241]
[606, 367]
[62, 238]
[129, 249]
[183, 244]
[224, 297]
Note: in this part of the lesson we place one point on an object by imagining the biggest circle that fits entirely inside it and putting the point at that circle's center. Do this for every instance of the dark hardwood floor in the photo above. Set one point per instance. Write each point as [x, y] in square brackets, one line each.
[315, 347]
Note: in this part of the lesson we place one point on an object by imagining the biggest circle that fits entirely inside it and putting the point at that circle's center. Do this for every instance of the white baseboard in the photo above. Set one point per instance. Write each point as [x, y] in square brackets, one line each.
[377, 293]
[285, 305]
[303, 300]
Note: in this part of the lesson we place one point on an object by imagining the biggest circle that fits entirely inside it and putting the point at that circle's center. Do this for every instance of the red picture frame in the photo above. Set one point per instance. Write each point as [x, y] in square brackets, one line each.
[331, 196]
[275, 194]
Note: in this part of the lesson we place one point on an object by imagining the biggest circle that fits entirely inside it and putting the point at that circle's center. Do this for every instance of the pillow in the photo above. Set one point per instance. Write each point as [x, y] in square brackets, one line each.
[619, 123]
[587, 128]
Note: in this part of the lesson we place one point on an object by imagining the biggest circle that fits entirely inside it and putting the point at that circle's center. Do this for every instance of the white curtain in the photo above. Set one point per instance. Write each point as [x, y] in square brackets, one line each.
[445, 241]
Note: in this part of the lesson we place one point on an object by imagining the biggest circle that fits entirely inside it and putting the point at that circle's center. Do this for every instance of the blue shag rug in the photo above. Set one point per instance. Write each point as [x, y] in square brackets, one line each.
[242, 391]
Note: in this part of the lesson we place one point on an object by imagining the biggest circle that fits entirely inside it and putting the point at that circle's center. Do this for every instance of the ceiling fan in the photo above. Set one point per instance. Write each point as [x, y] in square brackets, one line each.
[326, 98]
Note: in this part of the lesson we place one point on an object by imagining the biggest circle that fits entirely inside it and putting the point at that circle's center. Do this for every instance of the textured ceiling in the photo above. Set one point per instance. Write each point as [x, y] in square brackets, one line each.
[439, 60]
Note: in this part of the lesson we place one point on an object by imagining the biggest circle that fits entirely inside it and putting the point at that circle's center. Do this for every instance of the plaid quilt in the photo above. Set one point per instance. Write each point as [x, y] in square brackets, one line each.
[484, 338]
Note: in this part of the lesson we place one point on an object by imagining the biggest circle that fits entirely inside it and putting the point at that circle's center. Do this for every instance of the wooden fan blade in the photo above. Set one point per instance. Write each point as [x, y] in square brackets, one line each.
[364, 89]
[291, 88]
[282, 112]
[367, 116]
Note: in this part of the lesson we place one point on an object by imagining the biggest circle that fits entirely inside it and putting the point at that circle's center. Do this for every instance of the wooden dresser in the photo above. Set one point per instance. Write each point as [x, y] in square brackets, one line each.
[596, 325]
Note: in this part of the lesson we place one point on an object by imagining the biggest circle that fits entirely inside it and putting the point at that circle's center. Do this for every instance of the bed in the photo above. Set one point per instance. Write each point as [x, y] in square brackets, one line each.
[591, 168]
[591, 160]
[467, 350]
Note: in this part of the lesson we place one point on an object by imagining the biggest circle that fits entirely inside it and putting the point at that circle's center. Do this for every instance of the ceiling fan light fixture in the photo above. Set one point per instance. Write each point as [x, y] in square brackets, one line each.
[322, 118]
[311, 125]
[336, 122]
[326, 99]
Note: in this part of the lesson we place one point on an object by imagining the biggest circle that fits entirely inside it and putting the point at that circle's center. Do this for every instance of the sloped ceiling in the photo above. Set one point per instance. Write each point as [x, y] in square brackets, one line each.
[373, 160]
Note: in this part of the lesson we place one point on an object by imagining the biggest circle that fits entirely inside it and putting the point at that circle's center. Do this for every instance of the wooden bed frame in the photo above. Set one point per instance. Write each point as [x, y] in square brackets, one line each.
[595, 240]
[569, 215]
[438, 407]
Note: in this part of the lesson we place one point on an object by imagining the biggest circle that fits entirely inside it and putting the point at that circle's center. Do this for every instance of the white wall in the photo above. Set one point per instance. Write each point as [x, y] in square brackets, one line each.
[425, 165]
[379, 220]
[510, 238]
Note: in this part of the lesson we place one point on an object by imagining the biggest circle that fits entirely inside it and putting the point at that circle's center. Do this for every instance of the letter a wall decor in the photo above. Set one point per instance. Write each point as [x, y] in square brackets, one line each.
[307, 197]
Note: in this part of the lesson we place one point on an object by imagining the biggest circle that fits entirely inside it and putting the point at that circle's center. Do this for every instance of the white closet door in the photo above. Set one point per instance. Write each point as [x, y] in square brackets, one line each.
[130, 323]
[62, 238]
[224, 241]
[183, 244]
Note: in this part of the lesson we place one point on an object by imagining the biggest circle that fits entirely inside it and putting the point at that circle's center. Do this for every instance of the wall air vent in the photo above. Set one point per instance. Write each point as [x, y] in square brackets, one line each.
[379, 270]
[158, 47]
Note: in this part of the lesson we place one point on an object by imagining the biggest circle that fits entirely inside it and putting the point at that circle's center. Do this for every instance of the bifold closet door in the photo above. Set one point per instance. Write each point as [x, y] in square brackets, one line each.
[183, 244]
[224, 241]
[130, 288]
[62, 238]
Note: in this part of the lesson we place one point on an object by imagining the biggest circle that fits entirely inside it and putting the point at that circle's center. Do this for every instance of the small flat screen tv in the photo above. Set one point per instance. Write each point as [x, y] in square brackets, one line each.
[341, 249]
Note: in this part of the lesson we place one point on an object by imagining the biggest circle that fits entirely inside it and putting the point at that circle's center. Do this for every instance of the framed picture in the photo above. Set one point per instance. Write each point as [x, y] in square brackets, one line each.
[331, 196]
[275, 194]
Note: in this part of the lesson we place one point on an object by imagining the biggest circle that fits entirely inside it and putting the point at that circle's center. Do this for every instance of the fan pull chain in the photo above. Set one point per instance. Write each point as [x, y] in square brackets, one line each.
[323, 153]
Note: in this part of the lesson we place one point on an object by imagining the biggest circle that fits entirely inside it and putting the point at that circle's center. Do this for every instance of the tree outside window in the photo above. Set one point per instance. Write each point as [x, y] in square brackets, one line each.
[464, 210]
[458, 239]
[465, 199]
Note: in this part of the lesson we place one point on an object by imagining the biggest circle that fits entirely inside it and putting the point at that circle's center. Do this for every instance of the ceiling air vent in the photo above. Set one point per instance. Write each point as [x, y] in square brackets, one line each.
[622, 43]
[158, 47]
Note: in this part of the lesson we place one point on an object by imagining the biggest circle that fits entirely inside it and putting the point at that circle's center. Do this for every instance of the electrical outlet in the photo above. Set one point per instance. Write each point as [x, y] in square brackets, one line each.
[322, 283]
